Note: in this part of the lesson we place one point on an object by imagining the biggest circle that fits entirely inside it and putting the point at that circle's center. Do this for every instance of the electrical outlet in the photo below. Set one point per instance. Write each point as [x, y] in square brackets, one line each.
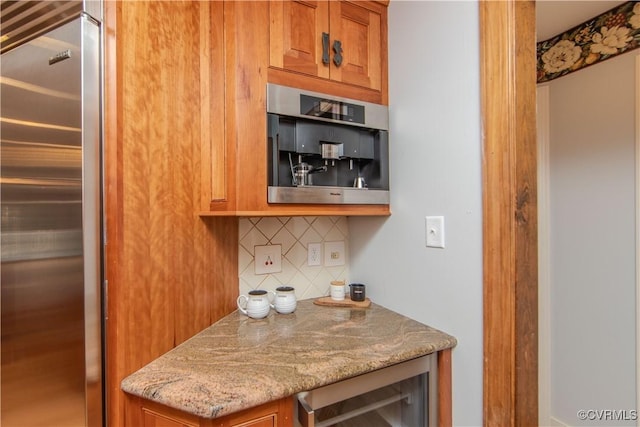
[434, 231]
[314, 254]
[334, 254]
[268, 259]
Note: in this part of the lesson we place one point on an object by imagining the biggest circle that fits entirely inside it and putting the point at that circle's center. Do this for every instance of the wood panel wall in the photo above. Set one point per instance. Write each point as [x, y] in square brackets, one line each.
[170, 273]
[508, 84]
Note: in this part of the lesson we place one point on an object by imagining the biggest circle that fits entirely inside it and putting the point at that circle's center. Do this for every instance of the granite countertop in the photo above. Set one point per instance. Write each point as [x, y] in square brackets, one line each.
[239, 362]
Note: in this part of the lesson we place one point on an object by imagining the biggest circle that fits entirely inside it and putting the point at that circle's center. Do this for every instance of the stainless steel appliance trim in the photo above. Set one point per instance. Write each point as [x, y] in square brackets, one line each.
[346, 389]
[306, 415]
[22, 21]
[285, 101]
[93, 8]
[91, 211]
[327, 195]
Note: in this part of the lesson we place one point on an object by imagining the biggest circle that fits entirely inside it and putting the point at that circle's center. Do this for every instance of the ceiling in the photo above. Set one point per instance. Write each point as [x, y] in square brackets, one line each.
[555, 17]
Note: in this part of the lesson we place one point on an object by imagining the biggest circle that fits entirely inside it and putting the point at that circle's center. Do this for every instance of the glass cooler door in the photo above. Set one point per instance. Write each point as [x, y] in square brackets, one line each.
[401, 395]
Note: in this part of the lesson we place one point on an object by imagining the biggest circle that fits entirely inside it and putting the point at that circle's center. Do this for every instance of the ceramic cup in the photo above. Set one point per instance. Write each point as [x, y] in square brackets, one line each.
[255, 305]
[357, 292]
[337, 290]
[284, 300]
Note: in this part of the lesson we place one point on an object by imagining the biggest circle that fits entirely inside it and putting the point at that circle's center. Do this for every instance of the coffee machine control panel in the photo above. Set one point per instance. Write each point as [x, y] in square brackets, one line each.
[315, 106]
[324, 149]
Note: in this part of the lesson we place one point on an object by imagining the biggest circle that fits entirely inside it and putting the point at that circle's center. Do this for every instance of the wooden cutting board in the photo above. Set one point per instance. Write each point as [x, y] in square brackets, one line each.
[346, 302]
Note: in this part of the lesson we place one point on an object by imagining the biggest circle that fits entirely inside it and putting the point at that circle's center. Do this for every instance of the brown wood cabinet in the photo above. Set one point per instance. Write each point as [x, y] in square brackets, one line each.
[234, 156]
[185, 132]
[338, 40]
[170, 273]
[143, 413]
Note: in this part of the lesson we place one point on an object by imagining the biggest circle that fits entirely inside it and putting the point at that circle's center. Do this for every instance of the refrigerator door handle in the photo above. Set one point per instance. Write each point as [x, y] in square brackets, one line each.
[92, 208]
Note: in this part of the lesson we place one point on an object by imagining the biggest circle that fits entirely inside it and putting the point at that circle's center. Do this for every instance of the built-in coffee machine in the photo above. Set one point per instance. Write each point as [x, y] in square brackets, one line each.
[326, 149]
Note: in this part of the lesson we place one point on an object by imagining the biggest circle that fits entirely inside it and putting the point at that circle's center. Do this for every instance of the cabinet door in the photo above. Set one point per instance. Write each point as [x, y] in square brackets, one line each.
[144, 413]
[153, 419]
[296, 29]
[267, 421]
[361, 30]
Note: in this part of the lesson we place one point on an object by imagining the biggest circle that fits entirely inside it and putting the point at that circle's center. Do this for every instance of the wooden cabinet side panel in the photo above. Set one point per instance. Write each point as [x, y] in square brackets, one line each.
[222, 272]
[276, 34]
[212, 65]
[445, 408]
[249, 90]
[285, 412]
[165, 283]
[114, 406]
[224, 200]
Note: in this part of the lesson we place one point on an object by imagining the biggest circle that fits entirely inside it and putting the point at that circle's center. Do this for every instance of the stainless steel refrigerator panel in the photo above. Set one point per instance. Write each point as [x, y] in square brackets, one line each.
[50, 224]
[25, 20]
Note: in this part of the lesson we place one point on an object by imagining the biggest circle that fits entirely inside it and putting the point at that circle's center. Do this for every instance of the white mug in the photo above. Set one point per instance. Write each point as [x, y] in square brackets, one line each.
[337, 290]
[257, 304]
[284, 300]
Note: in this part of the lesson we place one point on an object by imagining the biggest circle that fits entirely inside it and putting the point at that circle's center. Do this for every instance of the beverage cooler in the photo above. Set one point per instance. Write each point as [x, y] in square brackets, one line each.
[402, 395]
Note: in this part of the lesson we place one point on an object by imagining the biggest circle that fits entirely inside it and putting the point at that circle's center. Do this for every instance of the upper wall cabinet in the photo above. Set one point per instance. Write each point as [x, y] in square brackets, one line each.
[340, 41]
[281, 42]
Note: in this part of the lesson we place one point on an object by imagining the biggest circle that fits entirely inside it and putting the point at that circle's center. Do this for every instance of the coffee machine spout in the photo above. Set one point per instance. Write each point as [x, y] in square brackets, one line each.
[318, 169]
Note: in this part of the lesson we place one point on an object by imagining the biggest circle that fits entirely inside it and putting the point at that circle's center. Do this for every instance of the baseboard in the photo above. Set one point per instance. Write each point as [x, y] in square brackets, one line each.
[557, 423]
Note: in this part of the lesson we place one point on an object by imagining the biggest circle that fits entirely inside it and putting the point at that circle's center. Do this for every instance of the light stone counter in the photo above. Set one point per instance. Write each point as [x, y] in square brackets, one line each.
[239, 362]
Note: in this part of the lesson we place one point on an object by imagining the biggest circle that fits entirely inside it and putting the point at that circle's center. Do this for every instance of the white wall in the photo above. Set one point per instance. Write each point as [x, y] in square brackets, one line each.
[435, 170]
[592, 240]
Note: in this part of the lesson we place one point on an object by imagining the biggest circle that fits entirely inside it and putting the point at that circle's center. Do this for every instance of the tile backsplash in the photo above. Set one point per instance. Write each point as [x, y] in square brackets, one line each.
[293, 234]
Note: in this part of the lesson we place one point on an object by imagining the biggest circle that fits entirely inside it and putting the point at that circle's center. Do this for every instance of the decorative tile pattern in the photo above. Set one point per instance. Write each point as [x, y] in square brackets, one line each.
[293, 233]
[612, 33]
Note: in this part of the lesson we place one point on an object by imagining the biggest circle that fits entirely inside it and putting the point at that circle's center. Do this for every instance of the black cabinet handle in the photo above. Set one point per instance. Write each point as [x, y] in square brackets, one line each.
[337, 48]
[325, 48]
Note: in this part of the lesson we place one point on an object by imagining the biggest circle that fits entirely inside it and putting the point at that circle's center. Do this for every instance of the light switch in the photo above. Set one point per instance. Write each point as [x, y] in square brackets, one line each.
[434, 231]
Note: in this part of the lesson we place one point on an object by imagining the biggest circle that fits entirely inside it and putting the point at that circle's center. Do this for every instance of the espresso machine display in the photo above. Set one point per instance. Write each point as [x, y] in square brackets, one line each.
[324, 149]
[331, 109]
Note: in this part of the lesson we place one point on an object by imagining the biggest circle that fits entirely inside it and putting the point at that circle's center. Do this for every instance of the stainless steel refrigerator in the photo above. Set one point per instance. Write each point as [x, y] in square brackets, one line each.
[50, 194]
